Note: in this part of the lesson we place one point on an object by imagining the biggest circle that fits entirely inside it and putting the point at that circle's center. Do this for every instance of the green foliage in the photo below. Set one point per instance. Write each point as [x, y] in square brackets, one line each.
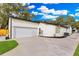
[76, 25]
[66, 20]
[7, 9]
[7, 45]
[60, 20]
[77, 51]
[70, 20]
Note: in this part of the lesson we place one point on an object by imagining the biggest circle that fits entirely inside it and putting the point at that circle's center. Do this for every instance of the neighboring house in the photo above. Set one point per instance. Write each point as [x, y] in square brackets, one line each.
[74, 30]
[51, 30]
[69, 30]
[19, 28]
[47, 30]
[60, 30]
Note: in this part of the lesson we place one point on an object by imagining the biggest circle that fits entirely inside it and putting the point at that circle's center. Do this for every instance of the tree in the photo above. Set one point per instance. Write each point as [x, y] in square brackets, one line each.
[66, 20]
[70, 21]
[27, 16]
[76, 25]
[59, 20]
[7, 9]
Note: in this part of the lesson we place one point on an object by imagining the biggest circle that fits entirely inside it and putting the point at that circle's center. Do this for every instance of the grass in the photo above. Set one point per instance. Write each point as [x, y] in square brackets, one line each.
[77, 51]
[7, 45]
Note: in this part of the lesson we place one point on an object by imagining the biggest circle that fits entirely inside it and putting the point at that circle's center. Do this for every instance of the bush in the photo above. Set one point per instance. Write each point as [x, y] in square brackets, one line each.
[3, 32]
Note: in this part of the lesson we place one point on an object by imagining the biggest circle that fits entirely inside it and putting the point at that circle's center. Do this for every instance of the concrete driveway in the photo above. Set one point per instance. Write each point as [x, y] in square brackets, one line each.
[2, 38]
[41, 46]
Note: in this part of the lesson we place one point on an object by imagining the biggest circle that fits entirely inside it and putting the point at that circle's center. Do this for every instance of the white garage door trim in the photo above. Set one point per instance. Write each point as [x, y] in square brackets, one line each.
[14, 30]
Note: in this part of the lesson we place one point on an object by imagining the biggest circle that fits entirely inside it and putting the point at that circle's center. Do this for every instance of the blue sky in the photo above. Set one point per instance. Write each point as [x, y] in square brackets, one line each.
[50, 11]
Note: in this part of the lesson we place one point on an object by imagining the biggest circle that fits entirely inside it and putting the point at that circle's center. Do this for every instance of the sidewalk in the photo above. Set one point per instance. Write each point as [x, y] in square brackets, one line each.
[2, 38]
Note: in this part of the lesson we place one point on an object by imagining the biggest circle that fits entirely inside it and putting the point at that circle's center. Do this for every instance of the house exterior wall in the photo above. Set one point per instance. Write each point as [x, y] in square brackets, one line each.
[60, 31]
[21, 23]
[69, 30]
[74, 30]
[16, 23]
[51, 30]
[43, 29]
[47, 30]
[63, 30]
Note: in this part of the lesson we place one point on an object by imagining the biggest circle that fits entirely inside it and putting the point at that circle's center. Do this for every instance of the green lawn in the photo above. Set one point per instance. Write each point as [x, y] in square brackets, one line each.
[7, 45]
[77, 51]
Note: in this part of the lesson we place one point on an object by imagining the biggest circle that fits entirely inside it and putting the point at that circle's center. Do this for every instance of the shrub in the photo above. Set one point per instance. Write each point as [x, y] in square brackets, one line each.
[3, 32]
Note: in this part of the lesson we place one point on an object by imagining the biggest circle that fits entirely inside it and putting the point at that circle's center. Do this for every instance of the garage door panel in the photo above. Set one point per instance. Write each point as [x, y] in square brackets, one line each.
[25, 32]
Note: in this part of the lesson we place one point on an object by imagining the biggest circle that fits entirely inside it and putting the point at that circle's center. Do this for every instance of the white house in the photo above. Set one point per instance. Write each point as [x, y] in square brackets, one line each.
[74, 30]
[47, 30]
[69, 30]
[60, 30]
[19, 28]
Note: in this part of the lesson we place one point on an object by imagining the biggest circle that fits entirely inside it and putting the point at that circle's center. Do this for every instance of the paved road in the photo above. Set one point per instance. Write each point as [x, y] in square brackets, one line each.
[41, 46]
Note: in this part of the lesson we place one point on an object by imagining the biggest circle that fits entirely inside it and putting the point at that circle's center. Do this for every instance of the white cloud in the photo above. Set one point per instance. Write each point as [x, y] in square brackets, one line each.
[40, 13]
[51, 11]
[23, 4]
[72, 15]
[46, 16]
[44, 9]
[77, 19]
[36, 13]
[31, 7]
[77, 10]
[60, 12]
[77, 14]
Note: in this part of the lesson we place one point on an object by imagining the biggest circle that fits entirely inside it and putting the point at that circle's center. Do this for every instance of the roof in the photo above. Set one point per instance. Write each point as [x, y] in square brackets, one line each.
[22, 19]
[61, 25]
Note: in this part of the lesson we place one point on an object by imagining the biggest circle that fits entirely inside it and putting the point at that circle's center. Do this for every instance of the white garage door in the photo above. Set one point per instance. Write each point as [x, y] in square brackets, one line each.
[20, 32]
